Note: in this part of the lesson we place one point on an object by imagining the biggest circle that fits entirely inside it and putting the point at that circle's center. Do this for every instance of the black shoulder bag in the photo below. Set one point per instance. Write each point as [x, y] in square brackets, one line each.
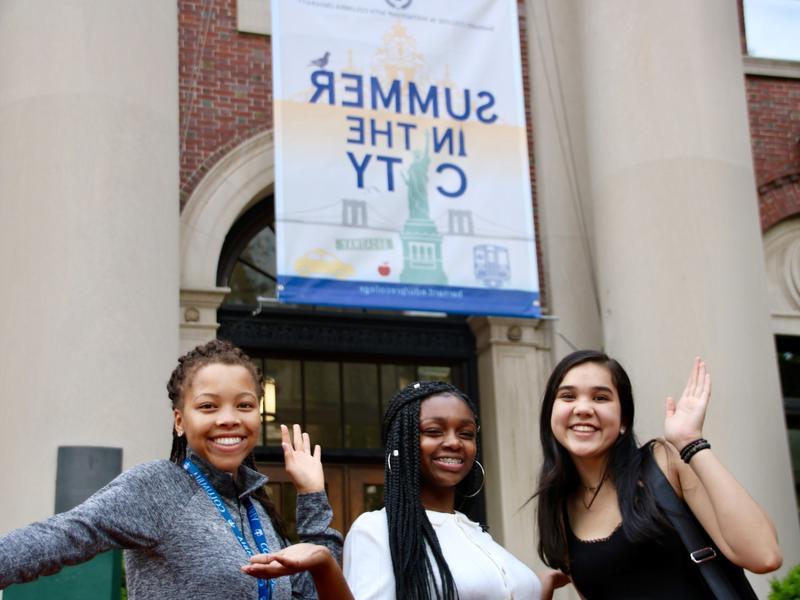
[724, 579]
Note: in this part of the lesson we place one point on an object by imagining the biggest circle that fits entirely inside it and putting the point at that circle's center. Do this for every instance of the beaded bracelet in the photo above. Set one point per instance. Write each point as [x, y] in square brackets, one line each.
[692, 448]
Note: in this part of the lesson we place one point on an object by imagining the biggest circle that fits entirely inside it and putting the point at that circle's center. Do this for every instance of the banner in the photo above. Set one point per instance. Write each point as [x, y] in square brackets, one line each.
[402, 178]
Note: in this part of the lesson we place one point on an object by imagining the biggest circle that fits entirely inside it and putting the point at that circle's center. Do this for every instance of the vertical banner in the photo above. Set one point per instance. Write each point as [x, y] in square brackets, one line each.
[402, 178]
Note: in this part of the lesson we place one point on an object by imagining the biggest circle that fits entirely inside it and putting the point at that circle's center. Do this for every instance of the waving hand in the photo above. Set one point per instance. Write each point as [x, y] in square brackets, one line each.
[303, 467]
[684, 420]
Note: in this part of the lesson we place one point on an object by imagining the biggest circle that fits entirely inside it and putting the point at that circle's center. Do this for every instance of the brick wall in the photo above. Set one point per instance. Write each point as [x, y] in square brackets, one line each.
[225, 86]
[774, 109]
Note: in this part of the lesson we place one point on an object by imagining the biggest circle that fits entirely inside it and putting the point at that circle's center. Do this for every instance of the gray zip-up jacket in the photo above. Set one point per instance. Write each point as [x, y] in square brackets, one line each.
[177, 544]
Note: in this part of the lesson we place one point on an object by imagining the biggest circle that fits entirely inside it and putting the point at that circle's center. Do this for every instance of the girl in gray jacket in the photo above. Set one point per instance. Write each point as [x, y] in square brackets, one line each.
[189, 524]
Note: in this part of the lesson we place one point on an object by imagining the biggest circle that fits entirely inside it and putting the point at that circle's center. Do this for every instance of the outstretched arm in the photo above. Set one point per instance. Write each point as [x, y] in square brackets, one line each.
[736, 522]
[126, 513]
[317, 560]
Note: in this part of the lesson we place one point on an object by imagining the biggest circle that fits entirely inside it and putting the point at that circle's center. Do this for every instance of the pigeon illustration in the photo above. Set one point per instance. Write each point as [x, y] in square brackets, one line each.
[320, 62]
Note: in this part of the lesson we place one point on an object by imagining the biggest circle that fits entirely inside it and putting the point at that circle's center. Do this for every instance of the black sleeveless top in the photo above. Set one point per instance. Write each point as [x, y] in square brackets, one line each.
[614, 567]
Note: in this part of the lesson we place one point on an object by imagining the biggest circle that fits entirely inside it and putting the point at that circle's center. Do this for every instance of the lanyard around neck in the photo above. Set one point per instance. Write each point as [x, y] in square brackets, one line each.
[264, 586]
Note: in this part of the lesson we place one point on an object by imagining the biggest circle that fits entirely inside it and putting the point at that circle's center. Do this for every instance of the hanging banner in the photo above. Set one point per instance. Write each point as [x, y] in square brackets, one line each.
[402, 178]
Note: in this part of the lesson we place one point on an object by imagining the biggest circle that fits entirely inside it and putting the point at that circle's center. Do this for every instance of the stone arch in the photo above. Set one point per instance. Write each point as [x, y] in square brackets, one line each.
[234, 184]
[782, 258]
[779, 199]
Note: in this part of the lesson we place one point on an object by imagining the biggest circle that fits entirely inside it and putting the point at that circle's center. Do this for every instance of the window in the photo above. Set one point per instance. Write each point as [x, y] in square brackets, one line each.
[248, 265]
[788, 348]
[341, 403]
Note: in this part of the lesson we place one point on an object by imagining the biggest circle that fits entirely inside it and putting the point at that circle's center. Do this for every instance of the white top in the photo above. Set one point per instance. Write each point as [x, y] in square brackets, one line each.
[481, 568]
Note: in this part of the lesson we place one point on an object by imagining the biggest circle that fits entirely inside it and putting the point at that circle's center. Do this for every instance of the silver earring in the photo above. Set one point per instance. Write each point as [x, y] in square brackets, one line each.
[179, 432]
[622, 431]
[389, 456]
[483, 480]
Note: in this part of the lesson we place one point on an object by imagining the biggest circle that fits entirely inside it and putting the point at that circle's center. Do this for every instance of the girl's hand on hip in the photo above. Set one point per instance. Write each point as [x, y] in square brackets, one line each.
[684, 421]
[303, 467]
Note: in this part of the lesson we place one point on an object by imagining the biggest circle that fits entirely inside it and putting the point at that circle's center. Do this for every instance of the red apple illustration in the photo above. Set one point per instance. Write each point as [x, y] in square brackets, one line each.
[384, 269]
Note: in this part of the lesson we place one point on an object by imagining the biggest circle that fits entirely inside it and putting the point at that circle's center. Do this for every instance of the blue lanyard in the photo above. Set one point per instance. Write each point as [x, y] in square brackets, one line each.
[264, 586]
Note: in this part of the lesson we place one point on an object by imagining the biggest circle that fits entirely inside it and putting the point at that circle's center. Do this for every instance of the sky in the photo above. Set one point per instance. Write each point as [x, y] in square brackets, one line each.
[773, 28]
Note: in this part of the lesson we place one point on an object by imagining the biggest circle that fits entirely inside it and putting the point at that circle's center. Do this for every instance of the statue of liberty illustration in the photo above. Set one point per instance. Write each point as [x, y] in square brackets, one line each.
[422, 242]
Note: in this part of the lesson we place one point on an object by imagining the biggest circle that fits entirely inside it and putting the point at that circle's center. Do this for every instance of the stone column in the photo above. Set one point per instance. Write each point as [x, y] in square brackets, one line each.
[680, 265]
[88, 236]
[513, 365]
[640, 114]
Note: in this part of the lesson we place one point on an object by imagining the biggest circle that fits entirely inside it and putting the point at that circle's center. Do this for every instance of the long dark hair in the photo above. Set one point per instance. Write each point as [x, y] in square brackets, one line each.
[410, 530]
[217, 352]
[558, 478]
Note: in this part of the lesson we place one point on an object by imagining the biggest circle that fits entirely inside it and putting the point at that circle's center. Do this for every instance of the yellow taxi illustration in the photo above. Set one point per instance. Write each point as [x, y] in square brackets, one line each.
[322, 262]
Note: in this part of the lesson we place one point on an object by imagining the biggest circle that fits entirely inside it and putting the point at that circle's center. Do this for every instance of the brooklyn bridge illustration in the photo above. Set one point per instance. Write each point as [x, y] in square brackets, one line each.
[421, 235]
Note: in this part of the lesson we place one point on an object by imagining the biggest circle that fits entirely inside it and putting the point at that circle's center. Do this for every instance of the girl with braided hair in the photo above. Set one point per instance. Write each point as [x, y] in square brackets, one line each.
[189, 524]
[419, 547]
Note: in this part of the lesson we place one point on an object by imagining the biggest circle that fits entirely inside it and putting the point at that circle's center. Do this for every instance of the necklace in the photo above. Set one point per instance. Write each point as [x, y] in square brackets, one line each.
[594, 491]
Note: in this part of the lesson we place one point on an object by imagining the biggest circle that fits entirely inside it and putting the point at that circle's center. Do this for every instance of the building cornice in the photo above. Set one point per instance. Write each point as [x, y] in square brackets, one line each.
[771, 67]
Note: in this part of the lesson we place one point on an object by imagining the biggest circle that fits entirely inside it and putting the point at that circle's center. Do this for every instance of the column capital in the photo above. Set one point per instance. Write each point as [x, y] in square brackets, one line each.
[508, 331]
[205, 297]
[198, 315]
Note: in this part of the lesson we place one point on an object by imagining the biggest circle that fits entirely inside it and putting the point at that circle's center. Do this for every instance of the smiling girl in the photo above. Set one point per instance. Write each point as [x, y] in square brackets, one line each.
[189, 524]
[597, 519]
[419, 546]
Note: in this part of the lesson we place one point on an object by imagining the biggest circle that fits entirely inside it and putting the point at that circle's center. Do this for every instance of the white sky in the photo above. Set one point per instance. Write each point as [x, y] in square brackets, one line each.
[773, 28]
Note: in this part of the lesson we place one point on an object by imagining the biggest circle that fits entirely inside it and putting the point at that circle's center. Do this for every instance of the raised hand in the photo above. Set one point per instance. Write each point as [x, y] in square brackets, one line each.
[684, 421]
[303, 467]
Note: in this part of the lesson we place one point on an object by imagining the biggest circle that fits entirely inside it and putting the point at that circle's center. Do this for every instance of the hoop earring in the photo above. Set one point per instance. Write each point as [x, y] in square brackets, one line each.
[389, 456]
[483, 480]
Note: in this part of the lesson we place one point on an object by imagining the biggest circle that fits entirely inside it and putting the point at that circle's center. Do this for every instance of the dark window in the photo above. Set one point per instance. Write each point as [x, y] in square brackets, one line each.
[788, 348]
[340, 403]
[248, 264]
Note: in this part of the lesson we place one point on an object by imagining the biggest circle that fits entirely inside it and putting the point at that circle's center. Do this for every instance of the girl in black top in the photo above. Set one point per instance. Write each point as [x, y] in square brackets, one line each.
[596, 519]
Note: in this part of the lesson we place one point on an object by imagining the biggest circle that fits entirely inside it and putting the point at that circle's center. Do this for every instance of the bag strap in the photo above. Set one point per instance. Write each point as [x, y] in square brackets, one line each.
[702, 550]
